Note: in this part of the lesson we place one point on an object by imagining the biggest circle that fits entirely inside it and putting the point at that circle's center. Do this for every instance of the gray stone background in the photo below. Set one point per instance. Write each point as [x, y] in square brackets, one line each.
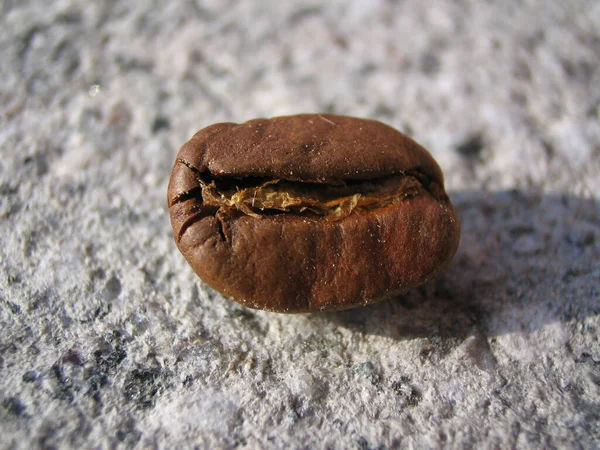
[107, 338]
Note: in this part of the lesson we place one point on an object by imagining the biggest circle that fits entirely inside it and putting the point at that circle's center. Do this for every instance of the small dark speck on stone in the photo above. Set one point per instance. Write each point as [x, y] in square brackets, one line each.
[581, 70]
[331, 108]
[143, 385]
[522, 70]
[430, 64]
[581, 238]
[30, 376]
[471, 147]
[111, 354]
[383, 110]
[128, 63]
[106, 359]
[160, 123]
[363, 444]
[128, 434]
[548, 149]
[414, 398]
[14, 308]
[13, 406]
[65, 386]
[37, 164]
[13, 279]
[7, 189]
[73, 356]
[69, 17]
[98, 274]
[368, 68]
[240, 441]
[404, 388]
[112, 289]
[303, 13]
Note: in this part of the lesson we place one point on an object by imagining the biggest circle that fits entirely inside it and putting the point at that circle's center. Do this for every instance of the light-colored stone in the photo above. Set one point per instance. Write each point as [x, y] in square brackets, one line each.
[108, 339]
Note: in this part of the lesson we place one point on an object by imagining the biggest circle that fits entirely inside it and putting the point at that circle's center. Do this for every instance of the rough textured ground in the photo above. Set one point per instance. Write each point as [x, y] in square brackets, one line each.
[107, 339]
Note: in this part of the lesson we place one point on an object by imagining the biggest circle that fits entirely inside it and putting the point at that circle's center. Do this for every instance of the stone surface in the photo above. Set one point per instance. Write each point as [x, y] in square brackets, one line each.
[107, 338]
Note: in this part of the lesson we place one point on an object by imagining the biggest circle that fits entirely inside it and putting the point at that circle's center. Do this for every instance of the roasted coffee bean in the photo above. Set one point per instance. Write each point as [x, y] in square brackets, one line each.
[310, 212]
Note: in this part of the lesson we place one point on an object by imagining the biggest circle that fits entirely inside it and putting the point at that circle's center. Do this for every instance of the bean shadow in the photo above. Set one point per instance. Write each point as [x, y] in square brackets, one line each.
[525, 260]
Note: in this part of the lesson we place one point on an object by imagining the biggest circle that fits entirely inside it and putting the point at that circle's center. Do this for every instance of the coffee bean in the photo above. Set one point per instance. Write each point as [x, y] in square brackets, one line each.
[310, 212]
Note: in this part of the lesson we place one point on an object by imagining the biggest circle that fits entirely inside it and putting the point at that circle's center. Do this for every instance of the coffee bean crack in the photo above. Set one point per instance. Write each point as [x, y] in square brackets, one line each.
[330, 200]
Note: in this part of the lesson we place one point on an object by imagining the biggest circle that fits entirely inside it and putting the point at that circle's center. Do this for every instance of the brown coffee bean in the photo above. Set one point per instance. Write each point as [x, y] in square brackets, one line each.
[310, 212]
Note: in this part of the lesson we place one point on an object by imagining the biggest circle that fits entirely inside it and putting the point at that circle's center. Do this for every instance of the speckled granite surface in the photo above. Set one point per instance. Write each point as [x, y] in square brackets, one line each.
[108, 340]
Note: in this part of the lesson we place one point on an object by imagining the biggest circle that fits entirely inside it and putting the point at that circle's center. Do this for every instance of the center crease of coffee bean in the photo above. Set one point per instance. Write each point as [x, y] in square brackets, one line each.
[332, 200]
